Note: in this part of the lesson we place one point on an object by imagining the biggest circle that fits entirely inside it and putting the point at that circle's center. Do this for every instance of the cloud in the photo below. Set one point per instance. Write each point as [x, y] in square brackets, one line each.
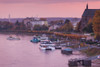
[43, 1]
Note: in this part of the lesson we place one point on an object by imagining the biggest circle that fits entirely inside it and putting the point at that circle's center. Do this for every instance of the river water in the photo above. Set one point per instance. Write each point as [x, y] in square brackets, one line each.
[23, 53]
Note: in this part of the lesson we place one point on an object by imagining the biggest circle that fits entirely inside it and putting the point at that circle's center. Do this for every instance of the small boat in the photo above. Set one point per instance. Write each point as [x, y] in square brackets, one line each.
[47, 45]
[67, 51]
[58, 47]
[35, 40]
[44, 37]
[13, 38]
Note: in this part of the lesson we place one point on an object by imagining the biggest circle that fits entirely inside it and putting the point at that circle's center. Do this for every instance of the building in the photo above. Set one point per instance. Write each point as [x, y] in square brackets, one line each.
[54, 27]
[31, 22]
[87, 15]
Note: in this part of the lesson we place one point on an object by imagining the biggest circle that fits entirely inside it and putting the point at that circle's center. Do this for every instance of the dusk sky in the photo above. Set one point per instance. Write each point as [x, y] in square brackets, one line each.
[45, 8]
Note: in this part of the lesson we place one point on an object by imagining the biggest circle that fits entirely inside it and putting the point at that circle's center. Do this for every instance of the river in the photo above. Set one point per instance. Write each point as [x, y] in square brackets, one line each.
[23, 53]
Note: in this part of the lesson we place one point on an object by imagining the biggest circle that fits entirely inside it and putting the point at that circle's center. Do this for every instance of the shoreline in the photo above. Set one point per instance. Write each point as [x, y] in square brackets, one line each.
[17, 33]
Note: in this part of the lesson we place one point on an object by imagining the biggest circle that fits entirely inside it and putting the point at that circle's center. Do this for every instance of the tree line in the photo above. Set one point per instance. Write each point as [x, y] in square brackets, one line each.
[4, 25]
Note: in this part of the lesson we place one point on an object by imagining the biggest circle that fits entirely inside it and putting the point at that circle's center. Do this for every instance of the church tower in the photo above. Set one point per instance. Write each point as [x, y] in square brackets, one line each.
[87, 6]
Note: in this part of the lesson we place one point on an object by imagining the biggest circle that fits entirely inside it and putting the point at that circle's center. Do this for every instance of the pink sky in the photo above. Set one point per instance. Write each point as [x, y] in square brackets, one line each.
[64, 8]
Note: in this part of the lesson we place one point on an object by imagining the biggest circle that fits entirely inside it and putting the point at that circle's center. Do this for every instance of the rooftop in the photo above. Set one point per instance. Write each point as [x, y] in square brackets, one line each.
[89, 12]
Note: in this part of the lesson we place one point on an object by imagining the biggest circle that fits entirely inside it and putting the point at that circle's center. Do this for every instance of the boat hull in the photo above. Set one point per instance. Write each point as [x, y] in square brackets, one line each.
[47, 48]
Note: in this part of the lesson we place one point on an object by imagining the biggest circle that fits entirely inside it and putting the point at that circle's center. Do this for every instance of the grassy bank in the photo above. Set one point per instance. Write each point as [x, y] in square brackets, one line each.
[70, 36]
[91, 51]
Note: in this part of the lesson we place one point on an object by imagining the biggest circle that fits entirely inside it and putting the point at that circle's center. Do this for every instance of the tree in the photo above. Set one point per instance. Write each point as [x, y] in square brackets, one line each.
[37, 27]
[4, 25]
[78, 26]
[67, 21]
[17, 25]
[89, 27]
[40, 27]
[67, 27]
[10, 26]
[96, 24]
[22, 26]
[44, 27]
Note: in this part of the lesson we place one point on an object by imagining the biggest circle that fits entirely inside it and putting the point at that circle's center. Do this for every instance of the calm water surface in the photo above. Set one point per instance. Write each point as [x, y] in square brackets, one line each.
[23, 53]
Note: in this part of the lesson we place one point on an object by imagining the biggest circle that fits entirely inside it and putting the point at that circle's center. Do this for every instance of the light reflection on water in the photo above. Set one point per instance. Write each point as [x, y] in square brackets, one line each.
[23, 53]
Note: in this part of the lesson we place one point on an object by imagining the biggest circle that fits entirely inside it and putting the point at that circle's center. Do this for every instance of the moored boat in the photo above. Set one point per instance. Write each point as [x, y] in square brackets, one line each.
[35, 40]
[67, 51]
[58, 47]
[47, 45]
[13, 38]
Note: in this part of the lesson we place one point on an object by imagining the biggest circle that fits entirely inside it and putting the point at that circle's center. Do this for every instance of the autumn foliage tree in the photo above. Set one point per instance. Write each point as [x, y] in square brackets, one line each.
[89, 27]
[67, 27]
[4, 25]
[40, 27]
[96, 24]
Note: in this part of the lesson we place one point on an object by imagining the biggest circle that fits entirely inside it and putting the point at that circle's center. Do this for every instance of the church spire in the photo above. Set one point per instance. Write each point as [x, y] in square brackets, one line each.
[87, 6]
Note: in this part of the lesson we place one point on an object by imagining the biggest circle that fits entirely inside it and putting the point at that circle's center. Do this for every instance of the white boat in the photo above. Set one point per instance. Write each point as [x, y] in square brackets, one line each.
[47, 45]
[58, 47]
[13, 38]
[44, 38]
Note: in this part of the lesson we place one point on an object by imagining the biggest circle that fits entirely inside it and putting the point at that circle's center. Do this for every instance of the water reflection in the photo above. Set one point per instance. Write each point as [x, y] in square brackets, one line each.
[46, 51]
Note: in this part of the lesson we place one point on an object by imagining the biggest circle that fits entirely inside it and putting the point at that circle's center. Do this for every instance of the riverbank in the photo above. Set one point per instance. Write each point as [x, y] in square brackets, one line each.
[15, 33]
[70, 36]
[91, 51]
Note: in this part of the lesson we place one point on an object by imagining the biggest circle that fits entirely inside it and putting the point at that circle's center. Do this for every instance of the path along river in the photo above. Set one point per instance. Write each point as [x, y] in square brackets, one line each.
[23, 53]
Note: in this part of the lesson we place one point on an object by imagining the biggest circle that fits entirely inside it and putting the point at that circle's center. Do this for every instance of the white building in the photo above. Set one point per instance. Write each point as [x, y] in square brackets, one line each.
[53, 27]
[39, 22]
